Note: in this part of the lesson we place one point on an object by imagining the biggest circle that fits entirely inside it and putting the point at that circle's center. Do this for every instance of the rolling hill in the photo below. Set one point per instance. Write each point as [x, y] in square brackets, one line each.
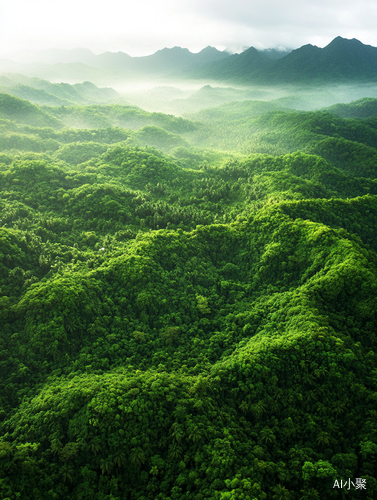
[181, 323]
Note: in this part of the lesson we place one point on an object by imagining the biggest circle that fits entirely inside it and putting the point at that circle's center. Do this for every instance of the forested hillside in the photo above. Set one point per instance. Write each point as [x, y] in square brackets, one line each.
[188, 305]
[55, 94]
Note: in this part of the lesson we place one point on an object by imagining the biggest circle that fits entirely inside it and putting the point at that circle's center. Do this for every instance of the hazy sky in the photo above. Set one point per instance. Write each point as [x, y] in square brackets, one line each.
[141, 27]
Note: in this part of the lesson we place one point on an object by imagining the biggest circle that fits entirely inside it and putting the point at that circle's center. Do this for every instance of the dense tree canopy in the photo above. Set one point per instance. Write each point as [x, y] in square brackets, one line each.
[187, 323]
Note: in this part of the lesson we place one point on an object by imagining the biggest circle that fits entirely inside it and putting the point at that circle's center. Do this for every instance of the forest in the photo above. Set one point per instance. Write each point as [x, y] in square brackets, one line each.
[188, 303]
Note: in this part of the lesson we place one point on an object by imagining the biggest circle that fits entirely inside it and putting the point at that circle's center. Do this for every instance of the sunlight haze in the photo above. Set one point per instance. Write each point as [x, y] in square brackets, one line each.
[141, 28]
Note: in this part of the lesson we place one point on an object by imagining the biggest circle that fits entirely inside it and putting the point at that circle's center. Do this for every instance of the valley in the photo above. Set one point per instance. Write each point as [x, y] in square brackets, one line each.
[188, 290]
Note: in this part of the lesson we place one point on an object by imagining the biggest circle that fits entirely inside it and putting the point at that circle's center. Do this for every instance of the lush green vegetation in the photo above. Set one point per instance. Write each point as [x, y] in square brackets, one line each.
[187, 323]
[55, 94]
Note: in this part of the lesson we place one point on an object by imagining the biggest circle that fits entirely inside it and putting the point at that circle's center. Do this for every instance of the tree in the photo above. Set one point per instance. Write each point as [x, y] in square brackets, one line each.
[323, 438]
[154, 471]
[170, 335]
[137, 456]
[280, 493]
[177, 432]
[244, 407]
[67, 473]
[258, 409]
[106, 465]
[195, 434]
[175, 451]
[202, 304]
[309, 494]
[267, 436]
[120, 459]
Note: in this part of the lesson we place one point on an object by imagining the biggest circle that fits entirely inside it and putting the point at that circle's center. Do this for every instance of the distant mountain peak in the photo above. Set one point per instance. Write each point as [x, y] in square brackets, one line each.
[176, 48]
[250, 50]
[340, 41]
[341, 60]
[209, 49]
[307, 46]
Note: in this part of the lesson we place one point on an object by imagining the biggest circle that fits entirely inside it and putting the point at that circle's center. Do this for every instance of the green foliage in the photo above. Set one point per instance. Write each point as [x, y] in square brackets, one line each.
[202, 304]
[198, 325]
[19, 110]
[56, 94]
[160, 138]
[362, 108]
[80, 152]
[115, 115]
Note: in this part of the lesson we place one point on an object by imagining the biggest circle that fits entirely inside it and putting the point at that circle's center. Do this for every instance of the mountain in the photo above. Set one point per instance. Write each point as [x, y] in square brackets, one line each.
[167, 61]
[41, 91]
[113, 61]
[34, 95]
[341, 60]
[276, 53]
[21, 111]
[349, 58]
[362, 108]
[299, 60]
[235, 67]
[208, 96]
[210, 54]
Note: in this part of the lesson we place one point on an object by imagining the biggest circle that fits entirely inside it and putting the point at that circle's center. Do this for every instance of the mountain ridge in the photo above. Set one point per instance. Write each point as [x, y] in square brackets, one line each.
[342, 60]
[163, 60]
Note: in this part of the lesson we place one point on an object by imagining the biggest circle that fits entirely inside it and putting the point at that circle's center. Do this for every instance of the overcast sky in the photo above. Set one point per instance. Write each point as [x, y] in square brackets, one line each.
[140, 27]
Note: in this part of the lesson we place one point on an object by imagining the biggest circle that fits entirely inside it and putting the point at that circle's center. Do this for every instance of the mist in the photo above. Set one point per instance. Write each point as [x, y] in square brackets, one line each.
[188, 259]
[177, 81]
